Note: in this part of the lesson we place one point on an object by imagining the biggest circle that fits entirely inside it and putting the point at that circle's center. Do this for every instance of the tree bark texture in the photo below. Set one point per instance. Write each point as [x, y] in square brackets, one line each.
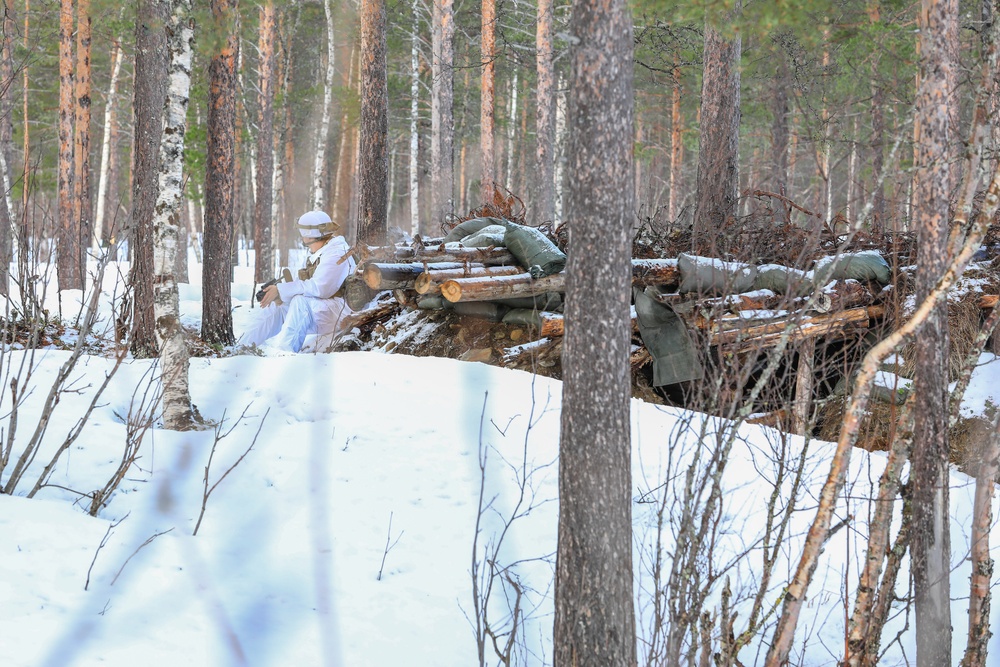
[81, 142]
[676, 143]
[373, 157]
[594, 616]
[103, 181]
[545, 117]
[69, 266]
[323, 134]
[718, 153]
[442, 116]
[414, 162]
[177, 411]
[930, 549]
[220, 181]
[150, 92]
[6, 146]
[263, 204]
[487, 178]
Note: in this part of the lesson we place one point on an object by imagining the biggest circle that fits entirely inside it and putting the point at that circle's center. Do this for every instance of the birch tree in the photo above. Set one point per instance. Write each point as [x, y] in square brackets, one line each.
[414, 125]
[263, 204]
[322, 138]
[373, 145]
[220, 180]
[6, 145]
[177, 410]
[105, 168]
[442, 114]
[594, 614]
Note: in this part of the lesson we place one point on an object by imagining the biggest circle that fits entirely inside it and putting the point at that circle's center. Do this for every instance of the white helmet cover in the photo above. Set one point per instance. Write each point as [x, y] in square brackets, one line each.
[316, 225]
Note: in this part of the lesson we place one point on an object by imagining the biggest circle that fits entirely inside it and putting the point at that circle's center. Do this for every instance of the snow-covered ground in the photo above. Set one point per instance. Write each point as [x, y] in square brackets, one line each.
[347, 535]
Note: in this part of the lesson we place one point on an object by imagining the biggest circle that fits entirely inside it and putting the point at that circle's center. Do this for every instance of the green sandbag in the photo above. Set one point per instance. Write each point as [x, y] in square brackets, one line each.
[533, 250]
[486, 310]
[469, 227]
[436, 302]
[782, 280]
[864, 266]
[490, 235]
[546, 301]
[709, 276]
[523, 317]
[675, 357]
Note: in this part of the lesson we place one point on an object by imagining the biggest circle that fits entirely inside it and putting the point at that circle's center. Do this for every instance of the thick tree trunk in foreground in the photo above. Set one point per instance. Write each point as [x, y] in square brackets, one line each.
[930, 550]
[177, 411]
[263, 213]
[150, 92]
[718, 155]
[373, 157]
[69, 267]
[220, 183]
[594, 615]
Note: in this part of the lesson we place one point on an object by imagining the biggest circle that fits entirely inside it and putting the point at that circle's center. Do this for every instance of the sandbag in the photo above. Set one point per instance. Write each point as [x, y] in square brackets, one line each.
[523, 317]
[864, 266]
[675, 357]
[782, 280]
[486, 310]
[469, 227]
[709, 276]
[533, 250]
[490, 235]
[547, 301]
[436, 302]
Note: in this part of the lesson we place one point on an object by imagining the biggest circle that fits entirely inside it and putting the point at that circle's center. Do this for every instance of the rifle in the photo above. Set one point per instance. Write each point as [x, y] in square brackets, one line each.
[286, 277]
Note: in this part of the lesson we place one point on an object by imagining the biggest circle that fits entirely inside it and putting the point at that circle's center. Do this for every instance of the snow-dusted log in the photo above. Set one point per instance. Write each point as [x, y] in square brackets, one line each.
[429, 282]
[177, 411]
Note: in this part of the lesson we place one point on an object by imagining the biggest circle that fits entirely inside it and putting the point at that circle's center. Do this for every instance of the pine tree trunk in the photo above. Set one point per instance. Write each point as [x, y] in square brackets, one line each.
[930, 549]
[106, 144]
[69, 267]
[343, 192]
[487, 178]
[263, 213]
[508, 180]
[150, 92]
[414, 165]
[81, 151]
[220, 183]
[373, 158]
[544, 115]
[594, 613]
[676, 143]
[718, 155]
[442, 116]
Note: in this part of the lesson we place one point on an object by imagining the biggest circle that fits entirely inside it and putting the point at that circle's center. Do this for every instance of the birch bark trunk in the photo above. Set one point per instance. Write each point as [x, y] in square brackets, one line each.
[178, 413]
[102, 183]
[323, 137]
[6, 146]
